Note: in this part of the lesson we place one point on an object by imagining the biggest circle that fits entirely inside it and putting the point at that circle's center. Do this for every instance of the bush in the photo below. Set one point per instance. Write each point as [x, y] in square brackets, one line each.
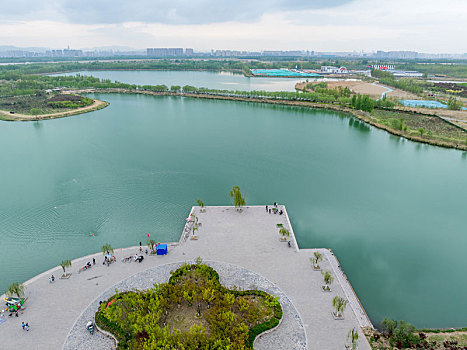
[454, 104]
[138, 318]
[35, 111]
[403, 336]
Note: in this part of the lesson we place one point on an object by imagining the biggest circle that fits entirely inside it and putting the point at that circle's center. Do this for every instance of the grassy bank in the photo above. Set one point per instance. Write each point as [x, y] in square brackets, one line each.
[433, 339]
[19, 85]
[95, 106]
[419, 127]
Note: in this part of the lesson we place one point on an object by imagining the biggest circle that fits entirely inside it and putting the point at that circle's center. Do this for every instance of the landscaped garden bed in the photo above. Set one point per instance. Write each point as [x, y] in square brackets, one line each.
[191, 311]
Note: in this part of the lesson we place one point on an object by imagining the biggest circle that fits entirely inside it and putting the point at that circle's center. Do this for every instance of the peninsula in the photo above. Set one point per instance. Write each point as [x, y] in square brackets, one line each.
[243, 247]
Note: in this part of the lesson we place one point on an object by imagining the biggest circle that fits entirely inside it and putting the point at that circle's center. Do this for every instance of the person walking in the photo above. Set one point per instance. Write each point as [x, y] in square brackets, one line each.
[23, 325]
[140, 247]
[26, 326]
[94, 261]
[266, 208]
[53, 278]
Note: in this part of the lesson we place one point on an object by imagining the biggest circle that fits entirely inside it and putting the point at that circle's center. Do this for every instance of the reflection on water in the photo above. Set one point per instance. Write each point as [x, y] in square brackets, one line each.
[212, 80]
[358, 124]
[137, 166]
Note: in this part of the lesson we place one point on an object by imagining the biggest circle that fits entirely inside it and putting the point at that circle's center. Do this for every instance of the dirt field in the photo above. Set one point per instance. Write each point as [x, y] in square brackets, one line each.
[374, 90]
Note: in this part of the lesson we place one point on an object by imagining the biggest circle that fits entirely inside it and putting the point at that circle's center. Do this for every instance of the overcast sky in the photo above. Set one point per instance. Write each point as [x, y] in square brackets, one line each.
[320, 25]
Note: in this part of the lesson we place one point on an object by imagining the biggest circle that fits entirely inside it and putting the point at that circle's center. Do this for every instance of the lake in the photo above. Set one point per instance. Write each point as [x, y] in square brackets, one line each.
[392, 210]
[211, 80]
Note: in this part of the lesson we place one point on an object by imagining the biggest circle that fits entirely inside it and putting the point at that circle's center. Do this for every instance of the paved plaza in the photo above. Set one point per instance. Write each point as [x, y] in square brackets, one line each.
[244, 248]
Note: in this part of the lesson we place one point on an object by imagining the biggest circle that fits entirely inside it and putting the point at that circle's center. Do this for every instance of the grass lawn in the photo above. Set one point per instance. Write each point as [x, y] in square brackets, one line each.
[434, 128]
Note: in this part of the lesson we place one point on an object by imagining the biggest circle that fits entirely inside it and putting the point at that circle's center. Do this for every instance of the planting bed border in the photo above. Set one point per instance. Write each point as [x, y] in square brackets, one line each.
[289, 334]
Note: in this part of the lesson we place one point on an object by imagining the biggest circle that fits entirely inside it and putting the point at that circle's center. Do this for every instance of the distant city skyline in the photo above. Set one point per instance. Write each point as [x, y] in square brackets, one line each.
[321, 25]
[173, 52]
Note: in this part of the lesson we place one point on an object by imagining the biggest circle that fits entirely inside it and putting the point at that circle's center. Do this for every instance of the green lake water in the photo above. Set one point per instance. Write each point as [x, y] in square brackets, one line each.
[392, 210]
[211, 80]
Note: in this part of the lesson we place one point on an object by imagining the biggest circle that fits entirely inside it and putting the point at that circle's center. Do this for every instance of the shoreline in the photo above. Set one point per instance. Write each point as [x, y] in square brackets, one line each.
[361, 115]
[221, 236]
[235, 71]
[95, 106]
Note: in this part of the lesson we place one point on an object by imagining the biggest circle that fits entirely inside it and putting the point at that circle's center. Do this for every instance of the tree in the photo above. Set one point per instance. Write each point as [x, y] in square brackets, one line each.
[16, 289]
[399, 124]
[454, 104]
[175, 88]
[200, 204]
[421, 131]
[237, 197]
[339, 303]
[358, 102]
[151, 244]
[367, 104]
[388, 327]
[188, 88]
[107, 249]
[404, 335]
[352, 337]
[64, 264]
[317, 257]
[328, 279]
[284, 232]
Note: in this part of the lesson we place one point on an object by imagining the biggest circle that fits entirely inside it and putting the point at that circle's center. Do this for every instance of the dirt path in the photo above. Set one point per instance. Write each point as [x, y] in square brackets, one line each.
[97, 104]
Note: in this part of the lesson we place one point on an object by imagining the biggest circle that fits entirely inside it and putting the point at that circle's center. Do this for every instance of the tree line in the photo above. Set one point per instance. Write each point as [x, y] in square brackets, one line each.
[17, 83]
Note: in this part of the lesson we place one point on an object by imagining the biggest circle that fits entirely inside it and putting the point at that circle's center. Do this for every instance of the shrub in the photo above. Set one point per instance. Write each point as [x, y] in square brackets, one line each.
[137, 318]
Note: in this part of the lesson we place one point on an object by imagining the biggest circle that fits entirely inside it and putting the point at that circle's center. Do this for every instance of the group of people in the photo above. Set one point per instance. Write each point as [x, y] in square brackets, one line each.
[141, 248]
[108, 259]
[138, 258]
[87, 266]
[274, 209]
[25, 326]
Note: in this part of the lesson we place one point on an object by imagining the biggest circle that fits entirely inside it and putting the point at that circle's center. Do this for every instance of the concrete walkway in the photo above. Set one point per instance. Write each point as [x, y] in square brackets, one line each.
[289, 335]
[249, 239]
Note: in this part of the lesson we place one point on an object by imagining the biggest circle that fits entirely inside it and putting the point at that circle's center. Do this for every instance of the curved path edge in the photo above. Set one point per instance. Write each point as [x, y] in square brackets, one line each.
[289, 334]
[95, 106]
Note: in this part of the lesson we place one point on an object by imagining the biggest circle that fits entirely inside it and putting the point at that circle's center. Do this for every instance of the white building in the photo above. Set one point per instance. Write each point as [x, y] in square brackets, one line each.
[409, 73]
[334, 70]
[383, 66]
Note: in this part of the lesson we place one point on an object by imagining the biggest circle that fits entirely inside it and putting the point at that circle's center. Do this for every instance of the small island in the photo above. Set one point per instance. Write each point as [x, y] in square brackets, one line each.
[192, 309]
[46, 105]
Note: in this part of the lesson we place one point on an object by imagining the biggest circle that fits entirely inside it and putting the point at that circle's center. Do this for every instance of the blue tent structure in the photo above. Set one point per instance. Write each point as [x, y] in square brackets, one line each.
[161, 249]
